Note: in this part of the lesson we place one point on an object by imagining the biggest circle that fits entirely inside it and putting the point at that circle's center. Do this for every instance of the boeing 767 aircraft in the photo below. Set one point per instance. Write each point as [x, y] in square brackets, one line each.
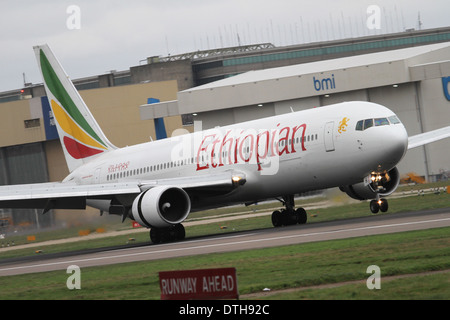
[354, 145]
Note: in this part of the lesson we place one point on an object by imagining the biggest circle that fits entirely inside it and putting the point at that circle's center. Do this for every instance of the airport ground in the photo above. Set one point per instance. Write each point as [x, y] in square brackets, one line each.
[414, 265]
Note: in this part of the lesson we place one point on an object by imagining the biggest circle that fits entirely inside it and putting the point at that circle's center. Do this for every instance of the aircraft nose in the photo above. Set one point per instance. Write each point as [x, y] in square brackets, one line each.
[396, 144]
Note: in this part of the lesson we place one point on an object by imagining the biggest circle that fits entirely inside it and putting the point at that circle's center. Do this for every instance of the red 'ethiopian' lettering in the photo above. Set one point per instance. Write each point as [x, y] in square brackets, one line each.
[265, 148]
[294, 131]
[200, 149]
[224, 142]
[248, 146]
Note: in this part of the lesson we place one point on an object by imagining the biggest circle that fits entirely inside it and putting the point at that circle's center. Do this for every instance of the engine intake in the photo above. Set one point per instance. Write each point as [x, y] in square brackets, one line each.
[384, 183]
[161, 207]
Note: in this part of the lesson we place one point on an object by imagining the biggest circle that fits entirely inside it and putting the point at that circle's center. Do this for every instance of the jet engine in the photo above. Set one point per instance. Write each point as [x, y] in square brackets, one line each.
[161, 207]
[383, 183]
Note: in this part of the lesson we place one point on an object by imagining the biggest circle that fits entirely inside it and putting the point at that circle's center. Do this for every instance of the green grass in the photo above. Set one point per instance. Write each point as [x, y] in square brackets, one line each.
[276, 268]
[418, 287]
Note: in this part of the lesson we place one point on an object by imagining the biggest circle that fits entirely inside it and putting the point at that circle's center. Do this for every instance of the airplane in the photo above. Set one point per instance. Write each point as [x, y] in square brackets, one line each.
[355, 146]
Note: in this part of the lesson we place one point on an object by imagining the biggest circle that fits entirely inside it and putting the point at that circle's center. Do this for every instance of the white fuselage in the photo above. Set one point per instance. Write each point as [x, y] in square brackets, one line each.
[287, 154]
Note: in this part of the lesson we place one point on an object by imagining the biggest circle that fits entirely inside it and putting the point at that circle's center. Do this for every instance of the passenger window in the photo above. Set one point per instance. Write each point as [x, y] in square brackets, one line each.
[394, 120]
[359, 125]
[381, 122]
[368, 123]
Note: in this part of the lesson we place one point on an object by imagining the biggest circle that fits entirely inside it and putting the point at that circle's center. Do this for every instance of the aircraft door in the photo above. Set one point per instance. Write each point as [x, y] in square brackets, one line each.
[328, 134]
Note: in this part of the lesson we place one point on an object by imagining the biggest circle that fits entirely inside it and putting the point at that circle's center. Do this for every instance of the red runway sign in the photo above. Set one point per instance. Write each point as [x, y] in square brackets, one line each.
[199, 284]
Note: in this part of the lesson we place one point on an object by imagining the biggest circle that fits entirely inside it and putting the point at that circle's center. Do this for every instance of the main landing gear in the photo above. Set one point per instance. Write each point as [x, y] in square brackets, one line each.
[290, 215]
[169, 234]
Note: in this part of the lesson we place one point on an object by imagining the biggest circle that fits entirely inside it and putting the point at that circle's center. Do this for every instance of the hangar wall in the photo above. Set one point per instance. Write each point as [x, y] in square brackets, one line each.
[435, 114]
[117, 112]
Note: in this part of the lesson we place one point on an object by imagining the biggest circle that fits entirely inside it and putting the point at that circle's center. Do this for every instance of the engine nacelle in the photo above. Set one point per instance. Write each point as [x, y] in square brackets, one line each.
[386, 183]
[161, 207]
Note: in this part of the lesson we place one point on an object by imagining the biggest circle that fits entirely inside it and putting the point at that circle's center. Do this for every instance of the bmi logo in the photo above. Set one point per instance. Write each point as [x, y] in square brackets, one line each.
[445, 82]
[324, 84]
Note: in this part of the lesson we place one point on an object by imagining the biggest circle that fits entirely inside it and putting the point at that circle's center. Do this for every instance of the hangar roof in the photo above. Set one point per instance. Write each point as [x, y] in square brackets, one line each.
[310, 79]
[322, 66]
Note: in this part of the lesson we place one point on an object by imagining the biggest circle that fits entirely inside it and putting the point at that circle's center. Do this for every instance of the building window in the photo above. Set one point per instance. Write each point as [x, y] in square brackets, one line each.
[32, 123]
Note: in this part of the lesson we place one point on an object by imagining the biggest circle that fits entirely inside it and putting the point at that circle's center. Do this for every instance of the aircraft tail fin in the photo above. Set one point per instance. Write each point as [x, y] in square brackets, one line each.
[81, 136]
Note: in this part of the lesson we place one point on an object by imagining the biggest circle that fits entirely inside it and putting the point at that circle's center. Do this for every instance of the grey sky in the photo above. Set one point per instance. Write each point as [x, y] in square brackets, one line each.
[115, 35]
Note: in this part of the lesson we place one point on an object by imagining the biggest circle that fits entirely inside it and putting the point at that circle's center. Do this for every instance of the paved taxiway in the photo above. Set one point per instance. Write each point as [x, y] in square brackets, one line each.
[370, 225]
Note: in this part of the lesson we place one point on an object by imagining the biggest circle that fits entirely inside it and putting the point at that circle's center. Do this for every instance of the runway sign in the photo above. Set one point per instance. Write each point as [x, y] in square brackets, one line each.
[199, 284]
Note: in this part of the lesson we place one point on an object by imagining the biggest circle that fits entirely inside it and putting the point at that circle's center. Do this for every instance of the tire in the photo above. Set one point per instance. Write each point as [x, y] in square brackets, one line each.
[277, 219]
[180, 232]
[374, 206]
[384, 205]
[155, 235]
[301, 216]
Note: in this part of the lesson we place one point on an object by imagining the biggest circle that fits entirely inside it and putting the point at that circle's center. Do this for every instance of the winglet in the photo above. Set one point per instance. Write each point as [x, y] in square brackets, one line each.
[81, 136]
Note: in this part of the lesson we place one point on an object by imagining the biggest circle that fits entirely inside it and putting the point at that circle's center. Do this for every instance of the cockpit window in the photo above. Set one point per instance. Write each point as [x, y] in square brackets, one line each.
[394, 120]
[368, 123]
[381, 122]
[359, 125]
[362, 125]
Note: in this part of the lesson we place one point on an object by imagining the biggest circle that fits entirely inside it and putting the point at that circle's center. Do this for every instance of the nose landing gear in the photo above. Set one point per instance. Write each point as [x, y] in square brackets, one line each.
[378, 181]
[379, 205]
[290, 215]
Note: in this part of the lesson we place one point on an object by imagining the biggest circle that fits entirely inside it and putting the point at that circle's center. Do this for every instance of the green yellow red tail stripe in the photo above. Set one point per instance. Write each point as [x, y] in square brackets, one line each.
[79, 133]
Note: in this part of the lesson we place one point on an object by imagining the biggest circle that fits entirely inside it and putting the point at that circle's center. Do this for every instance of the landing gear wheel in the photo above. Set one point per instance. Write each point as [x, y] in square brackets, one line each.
[180, 233]
[301, 216]
[277, 219]
[156, 235]
[162, 235]
[290, 215]
[384, 205]
[289, 218]
[380, 205]
[374, 206]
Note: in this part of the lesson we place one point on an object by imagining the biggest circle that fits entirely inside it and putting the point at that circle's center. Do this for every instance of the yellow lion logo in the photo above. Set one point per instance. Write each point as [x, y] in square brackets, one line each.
[343, 125]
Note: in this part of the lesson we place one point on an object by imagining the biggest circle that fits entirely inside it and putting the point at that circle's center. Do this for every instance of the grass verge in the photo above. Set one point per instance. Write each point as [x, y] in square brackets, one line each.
[275, 268]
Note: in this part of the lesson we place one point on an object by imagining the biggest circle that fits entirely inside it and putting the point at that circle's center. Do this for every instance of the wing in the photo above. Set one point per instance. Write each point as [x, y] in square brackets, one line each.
[60, 195]
[428, 137]
[69, 195]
